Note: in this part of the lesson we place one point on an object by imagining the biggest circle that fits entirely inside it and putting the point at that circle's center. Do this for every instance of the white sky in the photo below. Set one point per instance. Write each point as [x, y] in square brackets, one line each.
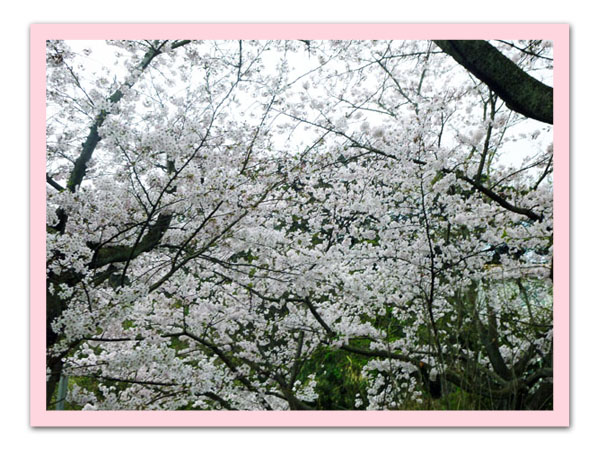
[512, 154]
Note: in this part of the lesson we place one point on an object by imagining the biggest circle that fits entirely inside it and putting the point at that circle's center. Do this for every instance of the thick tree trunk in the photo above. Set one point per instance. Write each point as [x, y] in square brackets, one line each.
[521, 92]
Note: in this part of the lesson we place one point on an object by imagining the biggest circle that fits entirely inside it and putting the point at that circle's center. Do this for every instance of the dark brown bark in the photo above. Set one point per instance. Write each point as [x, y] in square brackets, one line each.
[520, 91]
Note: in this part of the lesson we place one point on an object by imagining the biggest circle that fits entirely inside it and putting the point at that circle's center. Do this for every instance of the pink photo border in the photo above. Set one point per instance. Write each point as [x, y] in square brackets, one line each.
[40, 417]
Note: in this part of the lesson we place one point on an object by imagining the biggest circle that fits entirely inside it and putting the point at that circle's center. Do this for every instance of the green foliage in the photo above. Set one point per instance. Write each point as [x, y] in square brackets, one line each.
[338, 377]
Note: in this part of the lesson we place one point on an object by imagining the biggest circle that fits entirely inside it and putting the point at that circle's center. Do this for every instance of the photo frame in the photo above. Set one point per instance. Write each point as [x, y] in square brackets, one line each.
[558, 416]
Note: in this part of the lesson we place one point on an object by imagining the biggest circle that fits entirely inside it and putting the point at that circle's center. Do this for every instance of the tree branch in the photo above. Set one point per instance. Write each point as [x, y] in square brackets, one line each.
[122, 253]
[520, 91]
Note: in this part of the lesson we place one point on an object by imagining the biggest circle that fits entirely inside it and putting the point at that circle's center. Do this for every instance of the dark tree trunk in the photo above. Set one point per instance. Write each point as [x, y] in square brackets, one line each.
[521, 92]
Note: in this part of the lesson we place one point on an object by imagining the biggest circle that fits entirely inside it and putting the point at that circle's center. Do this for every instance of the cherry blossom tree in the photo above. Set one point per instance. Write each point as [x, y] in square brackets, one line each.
[296, 225]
